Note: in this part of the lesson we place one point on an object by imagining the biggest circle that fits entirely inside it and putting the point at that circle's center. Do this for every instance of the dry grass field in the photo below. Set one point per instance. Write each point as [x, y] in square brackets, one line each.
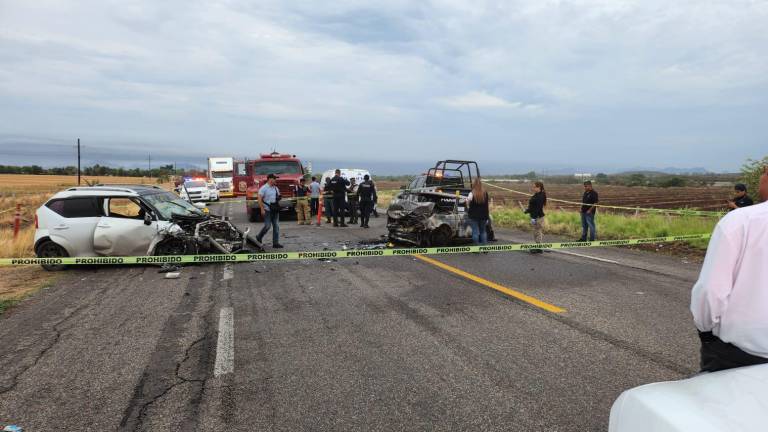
[31, 191]
[698, 198]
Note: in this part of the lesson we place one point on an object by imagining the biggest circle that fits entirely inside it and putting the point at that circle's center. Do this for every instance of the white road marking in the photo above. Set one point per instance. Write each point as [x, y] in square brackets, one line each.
[229, 272]
[225, 346]
[587, 256]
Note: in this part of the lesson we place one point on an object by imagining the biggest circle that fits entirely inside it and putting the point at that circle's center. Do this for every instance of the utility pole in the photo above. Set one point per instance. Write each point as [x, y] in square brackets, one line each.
[149, 165]
[78, 161]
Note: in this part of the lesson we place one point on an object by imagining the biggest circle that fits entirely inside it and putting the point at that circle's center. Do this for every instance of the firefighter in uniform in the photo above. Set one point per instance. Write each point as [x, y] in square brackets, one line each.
[338, 187]
[367, 193]
[354, 201]
[303, 215]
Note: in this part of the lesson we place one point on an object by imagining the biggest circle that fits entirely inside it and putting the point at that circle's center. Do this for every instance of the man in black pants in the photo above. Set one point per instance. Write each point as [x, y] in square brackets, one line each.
[338, 187]
[729, 302]
[367, 194]
[353, 199]
[588, 210]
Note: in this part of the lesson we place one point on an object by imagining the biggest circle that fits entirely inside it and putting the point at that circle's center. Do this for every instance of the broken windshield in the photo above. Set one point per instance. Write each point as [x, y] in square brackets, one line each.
[168, 205]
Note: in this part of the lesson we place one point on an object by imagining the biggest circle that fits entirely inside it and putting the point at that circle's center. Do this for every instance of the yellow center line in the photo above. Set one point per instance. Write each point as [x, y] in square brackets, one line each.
[493, 285]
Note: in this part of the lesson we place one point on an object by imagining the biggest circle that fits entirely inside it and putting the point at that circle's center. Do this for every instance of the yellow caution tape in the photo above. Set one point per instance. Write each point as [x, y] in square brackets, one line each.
[643, 209]
[355, 253]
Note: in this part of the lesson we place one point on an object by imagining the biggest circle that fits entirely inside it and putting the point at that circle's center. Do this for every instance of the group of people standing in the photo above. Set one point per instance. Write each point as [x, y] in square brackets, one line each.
[340, 196]
[343, 196]
[479, 213]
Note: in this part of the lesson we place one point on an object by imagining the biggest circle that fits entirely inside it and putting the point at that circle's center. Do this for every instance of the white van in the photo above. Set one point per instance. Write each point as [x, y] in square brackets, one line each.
[347, 173]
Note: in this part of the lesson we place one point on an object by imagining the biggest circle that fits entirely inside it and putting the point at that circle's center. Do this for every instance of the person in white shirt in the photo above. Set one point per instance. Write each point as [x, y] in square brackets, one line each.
[730, 300]
[314, 197]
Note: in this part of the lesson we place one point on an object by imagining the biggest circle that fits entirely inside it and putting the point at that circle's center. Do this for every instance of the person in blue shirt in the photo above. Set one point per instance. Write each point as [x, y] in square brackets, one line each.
[269, 205]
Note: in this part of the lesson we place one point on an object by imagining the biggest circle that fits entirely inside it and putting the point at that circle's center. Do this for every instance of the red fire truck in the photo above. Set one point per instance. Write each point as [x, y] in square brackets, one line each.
[288, 168]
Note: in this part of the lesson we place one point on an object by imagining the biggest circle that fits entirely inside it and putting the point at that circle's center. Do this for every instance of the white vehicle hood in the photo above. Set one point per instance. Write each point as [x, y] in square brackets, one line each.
[726, 401]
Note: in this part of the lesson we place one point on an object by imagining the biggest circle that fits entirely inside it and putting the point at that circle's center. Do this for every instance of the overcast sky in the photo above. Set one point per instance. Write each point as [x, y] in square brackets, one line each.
[589, 83]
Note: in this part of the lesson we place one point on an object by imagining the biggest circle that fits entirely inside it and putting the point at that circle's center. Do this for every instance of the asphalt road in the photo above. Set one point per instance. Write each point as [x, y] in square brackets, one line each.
[393, 343]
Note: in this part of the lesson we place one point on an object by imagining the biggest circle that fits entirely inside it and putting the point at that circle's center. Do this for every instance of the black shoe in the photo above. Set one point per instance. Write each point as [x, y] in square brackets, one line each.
[582, 240]
[277, 246]
[335, 225]
[343, 225]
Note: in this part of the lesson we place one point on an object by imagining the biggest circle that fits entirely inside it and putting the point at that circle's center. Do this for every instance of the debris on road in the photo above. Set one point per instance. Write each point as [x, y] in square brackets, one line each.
[12, 428]
[166, 268]
[173, 275]
[205, 234]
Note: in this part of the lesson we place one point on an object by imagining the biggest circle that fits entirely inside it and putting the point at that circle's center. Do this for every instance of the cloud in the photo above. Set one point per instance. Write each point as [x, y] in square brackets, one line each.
[397, 75]
[482, 100]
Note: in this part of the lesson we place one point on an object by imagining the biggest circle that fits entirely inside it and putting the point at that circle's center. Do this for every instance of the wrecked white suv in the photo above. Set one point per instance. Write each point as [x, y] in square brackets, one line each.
[130, 220]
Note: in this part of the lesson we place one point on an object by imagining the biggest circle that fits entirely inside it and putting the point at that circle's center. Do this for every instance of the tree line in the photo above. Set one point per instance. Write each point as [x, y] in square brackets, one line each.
[163, 171]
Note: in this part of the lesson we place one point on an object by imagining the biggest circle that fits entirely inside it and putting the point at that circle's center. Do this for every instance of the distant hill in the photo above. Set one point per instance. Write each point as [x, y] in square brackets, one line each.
[667, 171]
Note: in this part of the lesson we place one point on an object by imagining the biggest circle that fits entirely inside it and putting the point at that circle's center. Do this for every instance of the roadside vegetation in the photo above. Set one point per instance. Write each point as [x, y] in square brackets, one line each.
[611, 226]
[750, 175]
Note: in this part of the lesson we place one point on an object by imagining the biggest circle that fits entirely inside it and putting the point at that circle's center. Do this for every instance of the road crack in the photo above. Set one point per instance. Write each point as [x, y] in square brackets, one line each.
[57, 336]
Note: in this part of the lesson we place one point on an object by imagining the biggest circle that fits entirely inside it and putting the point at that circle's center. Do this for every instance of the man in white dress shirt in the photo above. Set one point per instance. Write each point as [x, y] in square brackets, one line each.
[730, 300]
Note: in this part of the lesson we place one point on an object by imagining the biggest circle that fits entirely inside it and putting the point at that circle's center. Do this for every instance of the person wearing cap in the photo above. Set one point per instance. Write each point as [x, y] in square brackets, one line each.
[740, 198]
[269, 205]
[729, 302]
[302, 203]
[367, 193]
[338, 187]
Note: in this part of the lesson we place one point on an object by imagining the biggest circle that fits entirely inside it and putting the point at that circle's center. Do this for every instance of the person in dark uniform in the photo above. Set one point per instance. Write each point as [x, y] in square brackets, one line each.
[588, 210]
[536, 212]
[353, 200]
[327, 200]
[367, 193]
[338, 187]
[740, 199]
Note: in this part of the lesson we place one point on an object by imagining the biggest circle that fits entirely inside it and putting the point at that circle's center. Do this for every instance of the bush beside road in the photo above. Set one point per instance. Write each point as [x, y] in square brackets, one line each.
[611, 226]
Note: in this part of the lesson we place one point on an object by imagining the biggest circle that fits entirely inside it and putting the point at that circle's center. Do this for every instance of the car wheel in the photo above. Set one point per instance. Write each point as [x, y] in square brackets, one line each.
[171, 246]
[49, 249]
[441, 236]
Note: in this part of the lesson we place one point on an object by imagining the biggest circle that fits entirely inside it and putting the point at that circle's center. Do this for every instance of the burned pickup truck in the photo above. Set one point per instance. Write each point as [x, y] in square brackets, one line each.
[431, 211]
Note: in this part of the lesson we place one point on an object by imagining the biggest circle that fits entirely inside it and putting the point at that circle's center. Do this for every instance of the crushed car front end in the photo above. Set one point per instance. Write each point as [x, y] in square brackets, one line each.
[427, 219]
